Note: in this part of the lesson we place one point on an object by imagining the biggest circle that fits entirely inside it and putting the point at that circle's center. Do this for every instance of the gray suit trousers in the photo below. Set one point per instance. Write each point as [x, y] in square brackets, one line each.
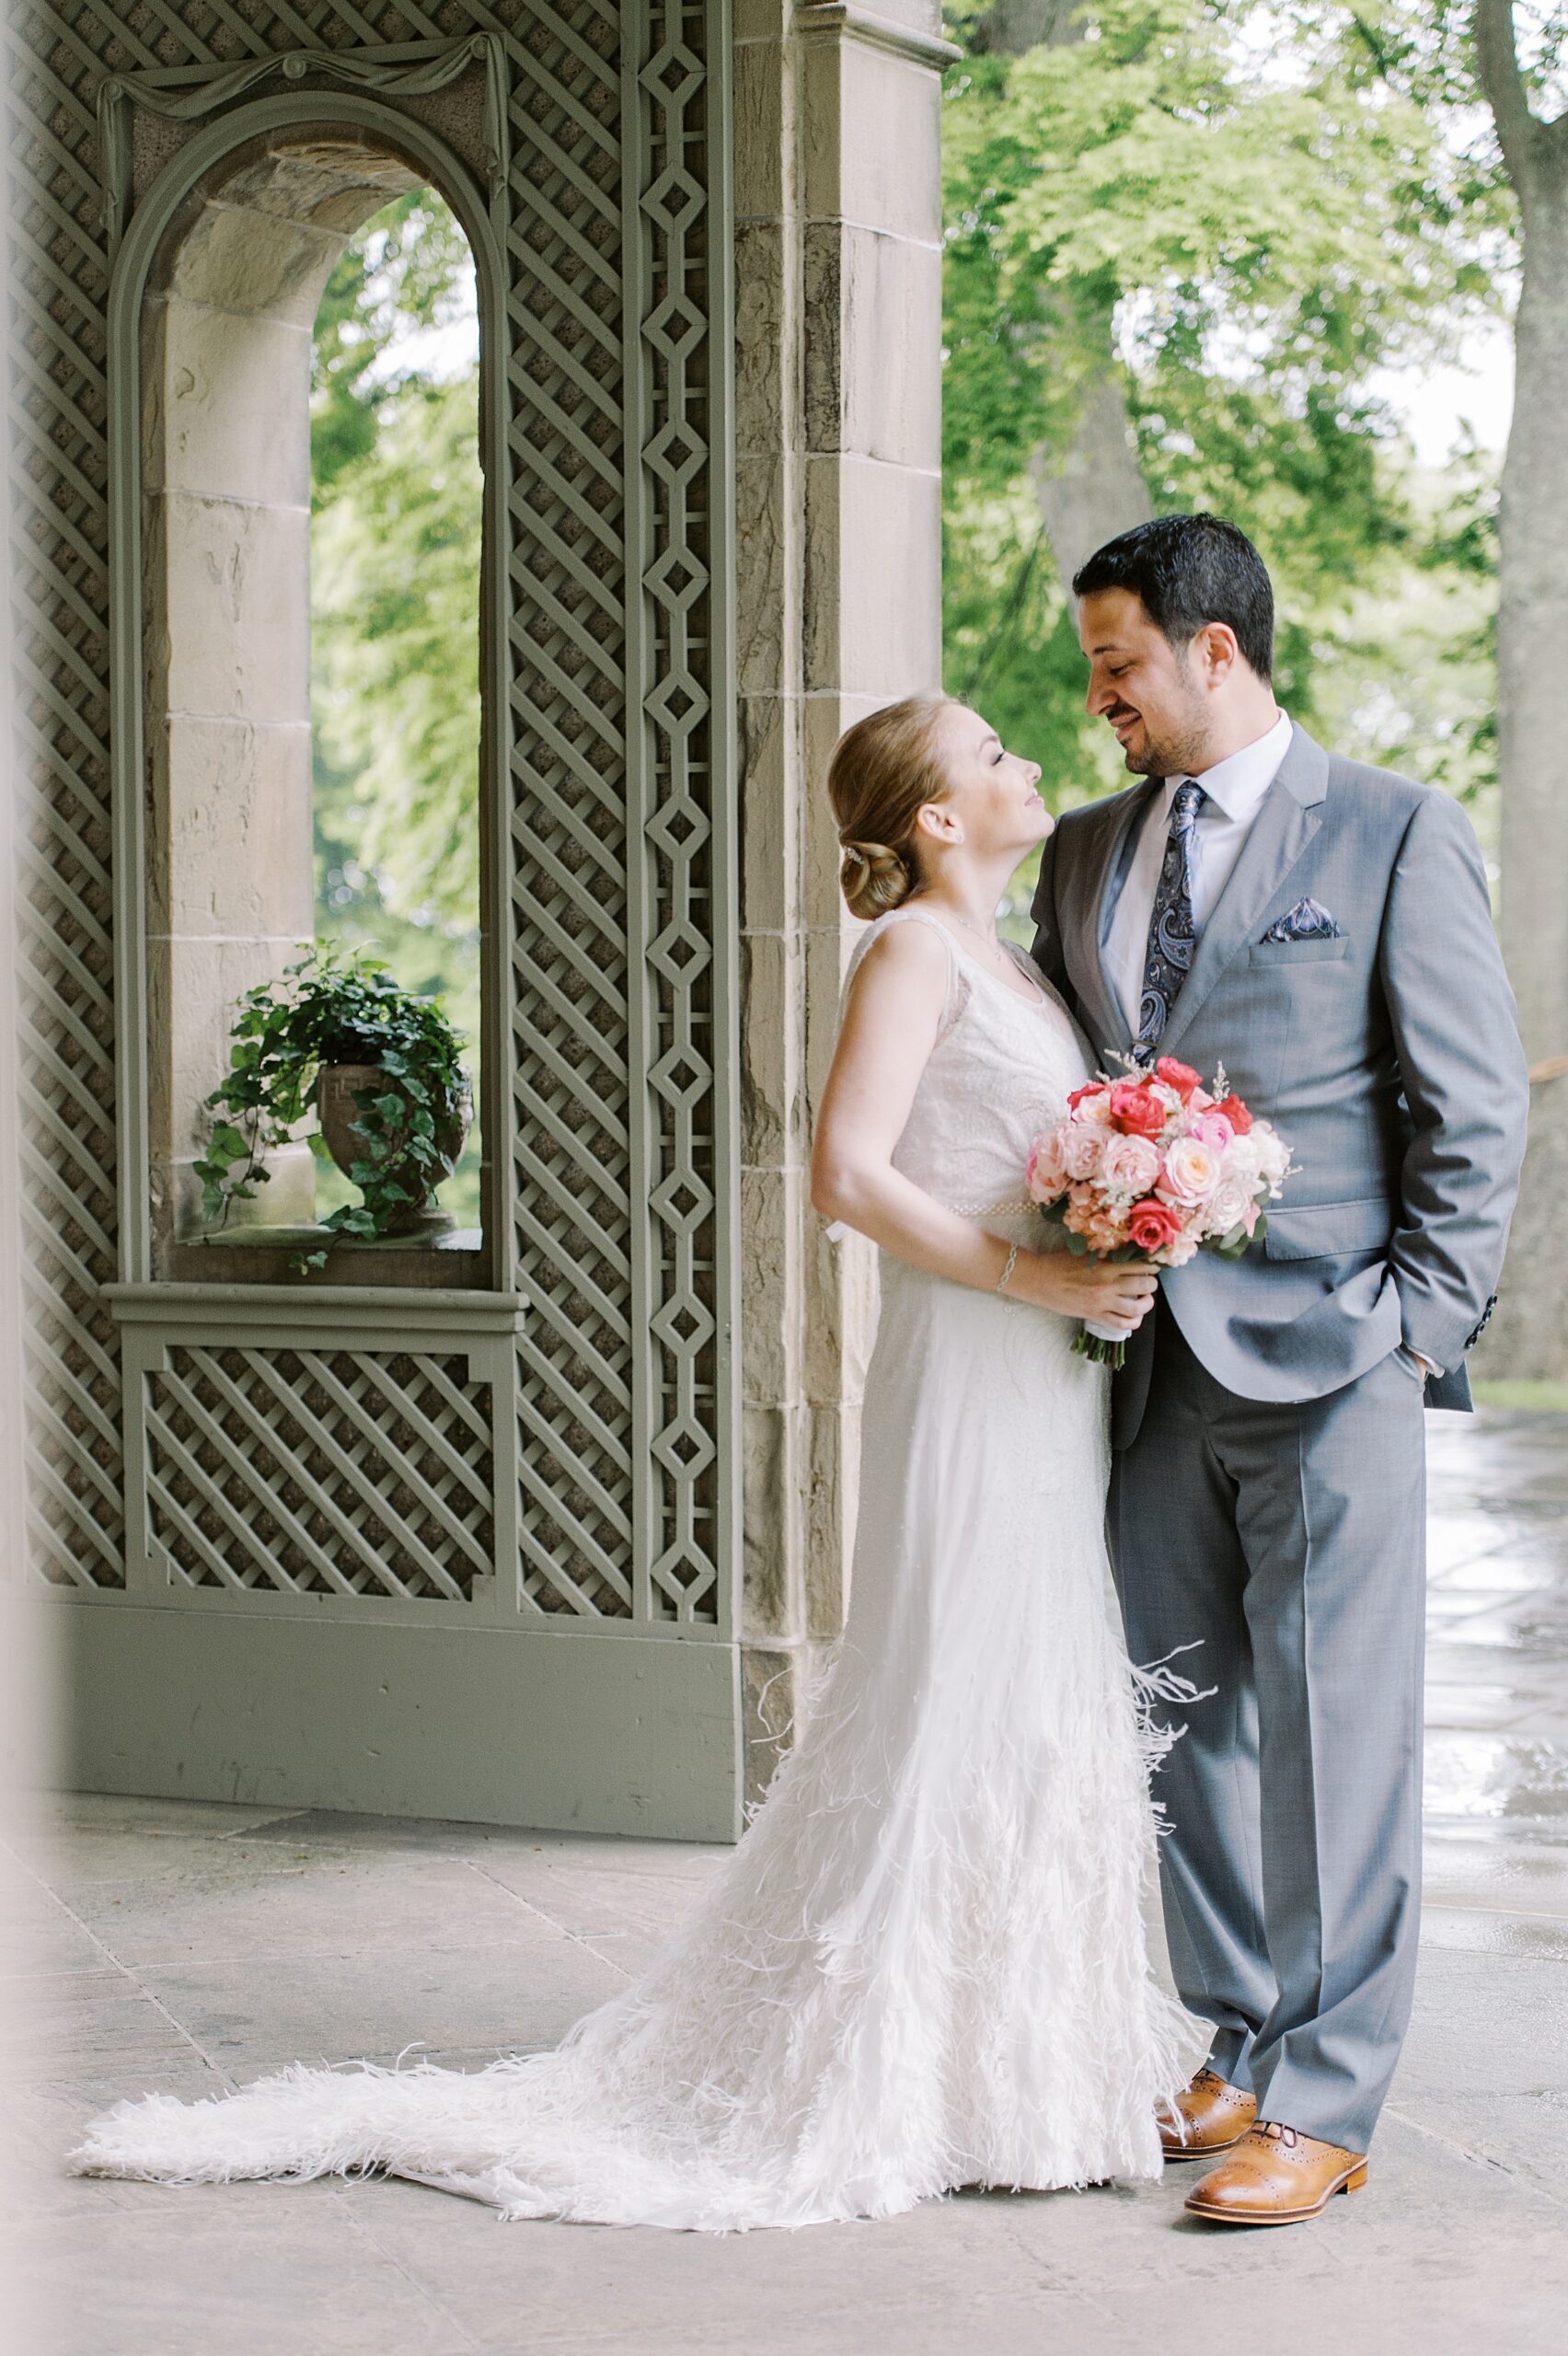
[1290, 1540]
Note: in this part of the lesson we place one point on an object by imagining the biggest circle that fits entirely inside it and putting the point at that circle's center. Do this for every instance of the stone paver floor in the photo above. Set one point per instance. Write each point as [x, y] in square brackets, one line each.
[154, 1943]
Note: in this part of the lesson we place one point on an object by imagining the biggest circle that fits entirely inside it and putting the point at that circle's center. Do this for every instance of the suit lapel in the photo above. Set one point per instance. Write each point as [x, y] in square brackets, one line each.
[1290, 814]
[1085, 924]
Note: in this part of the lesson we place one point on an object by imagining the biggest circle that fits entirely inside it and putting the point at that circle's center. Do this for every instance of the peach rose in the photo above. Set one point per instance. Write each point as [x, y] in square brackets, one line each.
[1192, 1170]
[1093, 1103]
[1047, 1177]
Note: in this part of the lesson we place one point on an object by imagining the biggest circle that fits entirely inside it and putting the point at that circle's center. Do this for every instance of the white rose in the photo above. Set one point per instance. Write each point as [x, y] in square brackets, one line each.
[1081, 1149]
[1243, 1158]
[1129, 1166]
[1229, 1205]
[1273, 1154]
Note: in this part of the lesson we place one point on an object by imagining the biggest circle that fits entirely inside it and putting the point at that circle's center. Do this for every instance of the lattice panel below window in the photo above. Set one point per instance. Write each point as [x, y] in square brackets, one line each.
[322, 1472]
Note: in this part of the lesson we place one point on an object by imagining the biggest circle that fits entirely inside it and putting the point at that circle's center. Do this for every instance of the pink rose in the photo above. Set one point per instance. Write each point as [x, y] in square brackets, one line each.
[1081, 1149]
[1129, 1165]
[1153, 1226]
[1192, 1170]
[1213, 1129]
[1047, 1177]
[1135, 1110]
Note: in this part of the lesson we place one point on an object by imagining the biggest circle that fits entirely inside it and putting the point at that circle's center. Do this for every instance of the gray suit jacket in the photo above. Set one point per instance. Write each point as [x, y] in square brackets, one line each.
[1389, 1057]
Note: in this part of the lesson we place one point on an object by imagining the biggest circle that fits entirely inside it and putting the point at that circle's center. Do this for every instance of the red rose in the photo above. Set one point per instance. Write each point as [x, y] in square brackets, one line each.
[1094, 1087]
[1135, 1110]
[1181, 1077]
[1151, 1224]
[1236, 1112]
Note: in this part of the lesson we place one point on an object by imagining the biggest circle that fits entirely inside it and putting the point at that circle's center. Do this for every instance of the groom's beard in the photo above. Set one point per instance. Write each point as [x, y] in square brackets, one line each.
[1175, 751]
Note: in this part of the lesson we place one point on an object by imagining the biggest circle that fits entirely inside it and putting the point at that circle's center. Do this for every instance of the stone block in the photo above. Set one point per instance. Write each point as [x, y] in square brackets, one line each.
[872, 141]
[770, 728]
[764, 300]
[872, 344]
[771, 1518]
[770, 1108]
[229, 845]
[832, 1440]
[227, 411]
[873, 560]
[761, 159]
[261, 263]
[206, 979]
[827, 716]
[827, 955]
[233, 596]
[760, 21]
[773, 1204]
[764, 622]
[769, 1702]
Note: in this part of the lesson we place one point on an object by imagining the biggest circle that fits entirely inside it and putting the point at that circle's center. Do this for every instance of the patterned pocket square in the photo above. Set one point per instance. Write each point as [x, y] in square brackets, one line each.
[1305, 922]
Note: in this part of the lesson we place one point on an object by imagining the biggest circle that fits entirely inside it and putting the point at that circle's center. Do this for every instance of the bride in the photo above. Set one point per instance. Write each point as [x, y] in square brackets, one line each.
[924, 1966]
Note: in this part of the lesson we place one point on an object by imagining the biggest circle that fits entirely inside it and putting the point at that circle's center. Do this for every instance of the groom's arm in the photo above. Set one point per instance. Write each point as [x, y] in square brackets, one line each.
[1455, 1032]
[1046, 950]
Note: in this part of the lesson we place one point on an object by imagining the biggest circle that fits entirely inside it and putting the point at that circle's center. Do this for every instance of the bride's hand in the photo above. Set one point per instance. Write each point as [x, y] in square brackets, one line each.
[1119, 1293]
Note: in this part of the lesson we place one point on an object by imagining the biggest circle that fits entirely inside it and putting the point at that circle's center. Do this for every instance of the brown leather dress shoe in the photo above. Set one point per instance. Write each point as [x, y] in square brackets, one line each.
[1210, 2117]
[1275, 2177]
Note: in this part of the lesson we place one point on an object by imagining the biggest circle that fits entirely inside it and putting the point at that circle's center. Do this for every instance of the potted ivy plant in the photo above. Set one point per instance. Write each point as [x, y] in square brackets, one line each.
[380, 1066]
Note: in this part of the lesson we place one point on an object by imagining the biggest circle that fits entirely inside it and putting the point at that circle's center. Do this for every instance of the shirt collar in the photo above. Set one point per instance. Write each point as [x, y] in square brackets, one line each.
[1239, 783]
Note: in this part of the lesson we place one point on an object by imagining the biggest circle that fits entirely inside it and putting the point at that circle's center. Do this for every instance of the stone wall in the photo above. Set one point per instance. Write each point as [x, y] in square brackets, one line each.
[839, 336]
[226, 346]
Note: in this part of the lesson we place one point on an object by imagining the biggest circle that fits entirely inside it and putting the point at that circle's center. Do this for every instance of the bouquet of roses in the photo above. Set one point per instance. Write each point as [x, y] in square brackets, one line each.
[1154, 1168]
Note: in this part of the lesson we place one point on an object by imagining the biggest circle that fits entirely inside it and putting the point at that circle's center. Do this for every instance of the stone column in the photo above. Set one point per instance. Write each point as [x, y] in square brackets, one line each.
[838, 328]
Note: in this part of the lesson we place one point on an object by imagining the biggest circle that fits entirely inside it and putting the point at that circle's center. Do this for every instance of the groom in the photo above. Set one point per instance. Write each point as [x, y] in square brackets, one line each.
[1323, 930]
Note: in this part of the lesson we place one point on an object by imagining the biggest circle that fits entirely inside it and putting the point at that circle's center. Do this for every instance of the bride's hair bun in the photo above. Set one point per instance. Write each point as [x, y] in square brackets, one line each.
[873, 879]
[883, 771]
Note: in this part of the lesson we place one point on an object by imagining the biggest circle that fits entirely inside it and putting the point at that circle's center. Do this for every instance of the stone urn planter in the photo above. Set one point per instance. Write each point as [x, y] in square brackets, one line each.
[337, 1087]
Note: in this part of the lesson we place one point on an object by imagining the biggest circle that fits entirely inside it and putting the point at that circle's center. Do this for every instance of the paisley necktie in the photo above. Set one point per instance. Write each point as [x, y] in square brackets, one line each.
[1170, 933]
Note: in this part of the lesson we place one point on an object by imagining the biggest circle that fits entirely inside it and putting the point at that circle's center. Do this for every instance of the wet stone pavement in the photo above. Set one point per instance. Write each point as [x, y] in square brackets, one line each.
[188, 1947]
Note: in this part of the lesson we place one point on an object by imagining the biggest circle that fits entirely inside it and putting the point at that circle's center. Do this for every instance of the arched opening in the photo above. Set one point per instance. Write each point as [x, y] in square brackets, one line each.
[279, 813]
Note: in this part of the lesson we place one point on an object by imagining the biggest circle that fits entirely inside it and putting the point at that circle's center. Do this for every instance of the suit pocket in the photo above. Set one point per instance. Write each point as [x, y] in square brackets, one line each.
[1323, 1231]
[1299, 952]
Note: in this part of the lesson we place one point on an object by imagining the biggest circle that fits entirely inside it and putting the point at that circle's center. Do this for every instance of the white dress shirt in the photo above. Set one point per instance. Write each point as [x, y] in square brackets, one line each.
[1235, 789]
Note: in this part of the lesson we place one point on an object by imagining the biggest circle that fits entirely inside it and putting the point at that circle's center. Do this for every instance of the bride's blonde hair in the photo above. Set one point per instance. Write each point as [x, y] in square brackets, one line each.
[883, 771]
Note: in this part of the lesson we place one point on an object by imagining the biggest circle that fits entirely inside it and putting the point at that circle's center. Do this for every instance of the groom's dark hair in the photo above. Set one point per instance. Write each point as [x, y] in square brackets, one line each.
[1189, 570]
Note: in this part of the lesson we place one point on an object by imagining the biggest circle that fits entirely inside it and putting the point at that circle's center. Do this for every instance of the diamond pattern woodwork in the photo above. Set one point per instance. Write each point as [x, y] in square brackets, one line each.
[619, 1164]
[320, 1472]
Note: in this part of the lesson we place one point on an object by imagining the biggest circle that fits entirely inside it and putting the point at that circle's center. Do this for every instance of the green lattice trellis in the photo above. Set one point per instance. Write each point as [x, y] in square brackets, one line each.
[617, 903]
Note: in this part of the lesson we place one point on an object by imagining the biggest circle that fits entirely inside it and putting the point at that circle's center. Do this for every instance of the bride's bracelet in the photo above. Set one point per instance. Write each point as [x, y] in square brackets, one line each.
[1009, 1266]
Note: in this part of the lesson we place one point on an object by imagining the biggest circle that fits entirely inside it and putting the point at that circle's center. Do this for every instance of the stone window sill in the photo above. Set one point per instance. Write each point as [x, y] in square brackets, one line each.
[260, 1255]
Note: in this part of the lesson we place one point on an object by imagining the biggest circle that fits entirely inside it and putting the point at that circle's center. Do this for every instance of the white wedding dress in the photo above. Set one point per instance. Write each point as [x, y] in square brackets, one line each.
[924, 1966]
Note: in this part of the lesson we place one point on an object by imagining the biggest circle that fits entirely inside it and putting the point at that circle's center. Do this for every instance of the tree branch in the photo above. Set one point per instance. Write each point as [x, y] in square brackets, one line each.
[1497, 62]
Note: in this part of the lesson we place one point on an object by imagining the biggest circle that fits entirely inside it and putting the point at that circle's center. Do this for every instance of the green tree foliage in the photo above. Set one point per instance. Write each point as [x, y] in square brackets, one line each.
[395, 570]
[394, 608]
[1238, 210]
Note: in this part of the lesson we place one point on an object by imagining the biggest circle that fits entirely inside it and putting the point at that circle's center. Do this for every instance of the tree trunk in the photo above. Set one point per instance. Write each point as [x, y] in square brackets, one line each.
[1094, 489]
[1529, 1337]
